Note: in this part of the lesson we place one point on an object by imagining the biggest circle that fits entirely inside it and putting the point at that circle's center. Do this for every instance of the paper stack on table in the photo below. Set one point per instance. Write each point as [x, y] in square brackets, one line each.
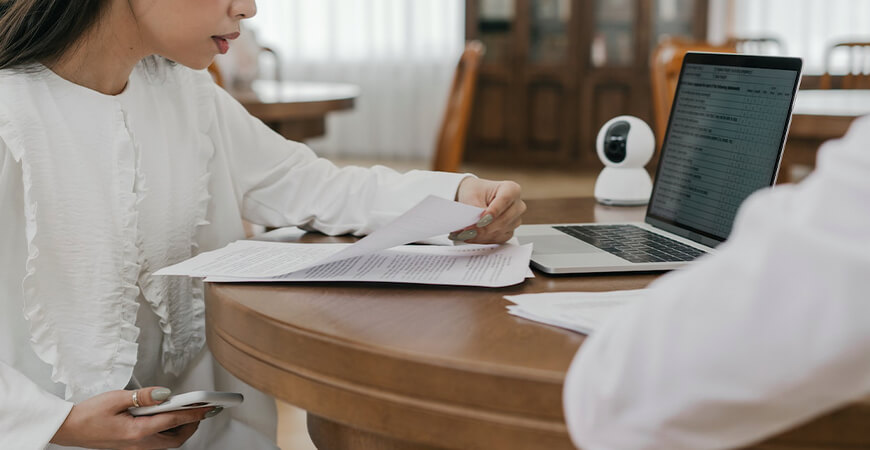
[380, 256]
[583, 312]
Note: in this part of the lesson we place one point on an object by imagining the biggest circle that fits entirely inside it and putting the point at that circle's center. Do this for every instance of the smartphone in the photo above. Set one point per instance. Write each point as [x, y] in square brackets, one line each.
[190, 400]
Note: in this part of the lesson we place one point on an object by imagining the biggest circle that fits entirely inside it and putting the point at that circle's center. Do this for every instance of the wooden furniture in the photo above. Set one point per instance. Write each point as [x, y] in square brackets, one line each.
[820, 115]
[297, 110]
[216, 74]
[454, 127]
[556, 70]
[389, 366]
[857, 75]
[665, 65]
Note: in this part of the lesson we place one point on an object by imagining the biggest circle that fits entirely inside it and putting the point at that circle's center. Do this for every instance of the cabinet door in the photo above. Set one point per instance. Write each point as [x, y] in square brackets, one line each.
[679, 18]
[492, 133]
[615, 33]
[616, 76]
[549, 79]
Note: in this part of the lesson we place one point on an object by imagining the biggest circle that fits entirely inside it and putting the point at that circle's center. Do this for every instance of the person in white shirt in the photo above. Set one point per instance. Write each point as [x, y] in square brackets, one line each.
[770, 332]
[116, 162]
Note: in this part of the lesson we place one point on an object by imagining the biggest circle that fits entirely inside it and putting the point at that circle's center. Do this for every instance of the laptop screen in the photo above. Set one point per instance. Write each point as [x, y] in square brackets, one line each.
[724, 141]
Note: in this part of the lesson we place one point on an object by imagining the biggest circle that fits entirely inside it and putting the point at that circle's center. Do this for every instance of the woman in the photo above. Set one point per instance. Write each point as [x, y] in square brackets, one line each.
[114, 163]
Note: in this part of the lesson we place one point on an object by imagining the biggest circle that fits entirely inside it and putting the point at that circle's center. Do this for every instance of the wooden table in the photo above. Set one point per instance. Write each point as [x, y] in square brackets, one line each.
[297, 110]
[387, 366]
[821, 115]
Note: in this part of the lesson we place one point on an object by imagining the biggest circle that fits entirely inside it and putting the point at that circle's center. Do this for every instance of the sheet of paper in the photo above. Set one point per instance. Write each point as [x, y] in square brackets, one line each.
[257, 259]
[479, 265]
[579, 311]
[433, 216]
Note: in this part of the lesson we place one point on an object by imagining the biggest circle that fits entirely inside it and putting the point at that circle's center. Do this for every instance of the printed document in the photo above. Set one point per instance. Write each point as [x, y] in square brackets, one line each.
[467, 265]
[583, 312]
[379, 256]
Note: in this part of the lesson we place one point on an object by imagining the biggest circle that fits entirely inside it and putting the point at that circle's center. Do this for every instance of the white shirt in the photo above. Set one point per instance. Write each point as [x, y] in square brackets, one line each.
[97, 192]
[770, 332]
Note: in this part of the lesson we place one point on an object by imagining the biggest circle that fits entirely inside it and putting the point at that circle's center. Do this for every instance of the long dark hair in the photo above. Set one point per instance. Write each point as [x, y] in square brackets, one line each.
[34, 31]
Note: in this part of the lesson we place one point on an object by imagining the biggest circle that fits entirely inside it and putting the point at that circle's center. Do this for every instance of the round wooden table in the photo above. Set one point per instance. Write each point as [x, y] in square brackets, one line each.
[391, 366]
[820, 115]
[297, 110]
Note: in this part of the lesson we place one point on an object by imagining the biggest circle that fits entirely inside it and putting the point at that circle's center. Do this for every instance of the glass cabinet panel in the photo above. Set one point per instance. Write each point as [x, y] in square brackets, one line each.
[550, 21]
[494, 25]
[614, 36]
[672, 18]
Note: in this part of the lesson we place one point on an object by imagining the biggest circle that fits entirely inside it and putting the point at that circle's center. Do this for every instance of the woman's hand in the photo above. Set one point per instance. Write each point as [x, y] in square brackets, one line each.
[503, 210]
[102, 421]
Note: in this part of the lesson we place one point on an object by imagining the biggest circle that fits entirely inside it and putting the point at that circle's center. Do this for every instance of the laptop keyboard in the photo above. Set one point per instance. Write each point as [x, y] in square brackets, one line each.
[632, 243]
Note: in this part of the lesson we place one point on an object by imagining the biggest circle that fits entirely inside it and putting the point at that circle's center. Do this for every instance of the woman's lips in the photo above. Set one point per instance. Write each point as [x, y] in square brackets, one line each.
[223, 42]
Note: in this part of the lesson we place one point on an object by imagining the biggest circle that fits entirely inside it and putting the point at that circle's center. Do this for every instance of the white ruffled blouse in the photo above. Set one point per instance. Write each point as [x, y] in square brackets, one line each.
[98, 192]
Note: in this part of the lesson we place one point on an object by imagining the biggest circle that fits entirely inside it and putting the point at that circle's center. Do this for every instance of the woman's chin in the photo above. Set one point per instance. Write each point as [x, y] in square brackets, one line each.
[194, 63]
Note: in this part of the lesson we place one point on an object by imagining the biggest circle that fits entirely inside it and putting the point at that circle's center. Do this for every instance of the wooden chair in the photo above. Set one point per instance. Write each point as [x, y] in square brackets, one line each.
[858, 75]
[667, 60]
[454, 127]
[215, 73]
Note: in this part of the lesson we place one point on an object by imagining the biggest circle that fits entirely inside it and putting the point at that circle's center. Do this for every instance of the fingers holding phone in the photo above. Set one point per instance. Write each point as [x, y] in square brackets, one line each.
[103, 421]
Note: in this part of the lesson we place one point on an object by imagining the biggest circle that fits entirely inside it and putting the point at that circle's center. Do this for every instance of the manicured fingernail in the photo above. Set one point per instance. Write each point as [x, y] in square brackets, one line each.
[484, 221]
[160, 394]
[466, 235]
[213, 412]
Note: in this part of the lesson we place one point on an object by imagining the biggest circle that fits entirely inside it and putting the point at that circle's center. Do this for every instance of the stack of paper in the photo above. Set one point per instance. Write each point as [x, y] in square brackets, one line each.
[380, 256]
[583, 312]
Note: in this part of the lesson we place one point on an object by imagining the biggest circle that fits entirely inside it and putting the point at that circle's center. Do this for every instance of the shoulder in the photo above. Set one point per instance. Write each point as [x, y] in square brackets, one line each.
[19, 84]
[847, 153]
[19, 92]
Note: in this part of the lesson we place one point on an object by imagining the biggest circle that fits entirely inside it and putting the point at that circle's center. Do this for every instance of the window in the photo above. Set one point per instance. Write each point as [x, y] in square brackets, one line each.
[402, 54]
[806, 27]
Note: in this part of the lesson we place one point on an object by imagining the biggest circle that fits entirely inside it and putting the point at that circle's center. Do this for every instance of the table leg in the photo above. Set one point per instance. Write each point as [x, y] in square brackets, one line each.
[329, 435]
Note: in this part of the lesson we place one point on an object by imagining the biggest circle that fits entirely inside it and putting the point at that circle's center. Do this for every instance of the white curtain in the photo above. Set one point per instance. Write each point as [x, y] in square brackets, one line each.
[402, 54]
[807, 27]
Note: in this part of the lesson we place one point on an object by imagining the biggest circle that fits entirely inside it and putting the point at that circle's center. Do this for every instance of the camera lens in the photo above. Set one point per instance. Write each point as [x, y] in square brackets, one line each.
[615, 141]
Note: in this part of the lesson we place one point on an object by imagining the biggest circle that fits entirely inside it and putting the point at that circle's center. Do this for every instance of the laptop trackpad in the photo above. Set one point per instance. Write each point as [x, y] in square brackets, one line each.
[555, 245]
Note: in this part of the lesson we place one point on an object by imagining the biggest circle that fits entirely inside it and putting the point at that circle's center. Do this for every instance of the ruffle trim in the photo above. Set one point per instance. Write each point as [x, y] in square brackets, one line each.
[120, 367]
[184, 339]
[205, 102]
[45, 341]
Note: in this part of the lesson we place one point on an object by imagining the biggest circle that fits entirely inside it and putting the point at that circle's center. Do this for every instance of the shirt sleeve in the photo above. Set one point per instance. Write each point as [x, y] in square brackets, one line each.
[29, 416]
[766, 334]
[281, 182]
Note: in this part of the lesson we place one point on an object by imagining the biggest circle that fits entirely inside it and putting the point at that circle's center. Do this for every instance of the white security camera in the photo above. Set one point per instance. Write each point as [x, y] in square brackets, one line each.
[625, 144]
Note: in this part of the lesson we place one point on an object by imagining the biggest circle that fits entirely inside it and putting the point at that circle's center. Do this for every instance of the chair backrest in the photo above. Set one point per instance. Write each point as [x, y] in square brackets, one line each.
[457, 114]
[216, 75]
[858, 74]
[667, 60]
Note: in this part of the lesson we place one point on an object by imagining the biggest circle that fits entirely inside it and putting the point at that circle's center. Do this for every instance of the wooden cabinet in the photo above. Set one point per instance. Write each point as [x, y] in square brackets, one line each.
[556, 70]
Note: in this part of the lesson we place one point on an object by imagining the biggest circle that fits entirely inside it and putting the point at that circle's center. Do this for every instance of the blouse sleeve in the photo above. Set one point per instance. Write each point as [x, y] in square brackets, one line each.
[29, 416]
[281, 182]
[766, 334]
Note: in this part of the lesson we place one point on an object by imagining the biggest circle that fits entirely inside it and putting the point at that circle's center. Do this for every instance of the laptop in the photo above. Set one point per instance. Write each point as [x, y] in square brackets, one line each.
[724, 141]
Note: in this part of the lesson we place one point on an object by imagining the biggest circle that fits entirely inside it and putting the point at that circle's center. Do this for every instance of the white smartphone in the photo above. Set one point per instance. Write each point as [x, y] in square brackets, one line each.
[191, 400]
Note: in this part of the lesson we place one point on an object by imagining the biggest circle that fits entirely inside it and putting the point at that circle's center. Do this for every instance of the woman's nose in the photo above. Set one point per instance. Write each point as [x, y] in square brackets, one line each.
[244, 9]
